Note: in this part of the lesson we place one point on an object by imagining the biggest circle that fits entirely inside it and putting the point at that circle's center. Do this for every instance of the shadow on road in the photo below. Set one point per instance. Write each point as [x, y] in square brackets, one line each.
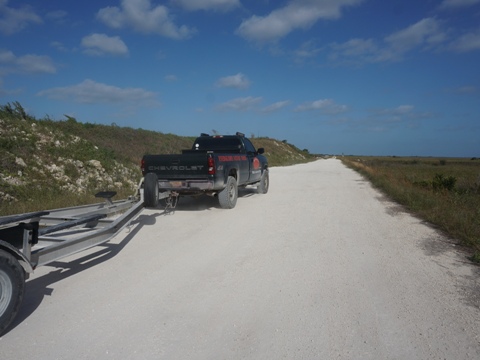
[36, 289]
[204, 202]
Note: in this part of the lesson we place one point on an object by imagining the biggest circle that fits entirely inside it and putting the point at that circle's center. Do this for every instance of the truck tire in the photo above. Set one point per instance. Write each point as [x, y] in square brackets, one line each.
[227, 198]
[264, 183]
[150, 190]
[12, 288]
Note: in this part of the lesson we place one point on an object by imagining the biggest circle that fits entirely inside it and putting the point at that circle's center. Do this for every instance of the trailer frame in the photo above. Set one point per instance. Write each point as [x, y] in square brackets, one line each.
[34, 239]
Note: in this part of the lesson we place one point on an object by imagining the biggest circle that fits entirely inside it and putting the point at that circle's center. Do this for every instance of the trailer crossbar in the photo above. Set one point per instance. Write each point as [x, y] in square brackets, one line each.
[92, 219]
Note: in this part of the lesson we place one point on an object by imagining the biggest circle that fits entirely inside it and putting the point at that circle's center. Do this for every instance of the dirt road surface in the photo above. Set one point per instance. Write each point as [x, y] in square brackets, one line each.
[321, 267]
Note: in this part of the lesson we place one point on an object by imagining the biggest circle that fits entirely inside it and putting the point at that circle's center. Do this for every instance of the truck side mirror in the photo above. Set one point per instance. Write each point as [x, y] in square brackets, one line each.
[260, 151]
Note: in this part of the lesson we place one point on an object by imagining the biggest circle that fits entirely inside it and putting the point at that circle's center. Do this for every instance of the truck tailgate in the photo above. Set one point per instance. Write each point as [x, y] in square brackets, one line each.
[177, 166]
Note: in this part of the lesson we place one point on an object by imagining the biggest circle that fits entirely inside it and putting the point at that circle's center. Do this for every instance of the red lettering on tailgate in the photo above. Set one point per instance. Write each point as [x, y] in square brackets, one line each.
[225, 158]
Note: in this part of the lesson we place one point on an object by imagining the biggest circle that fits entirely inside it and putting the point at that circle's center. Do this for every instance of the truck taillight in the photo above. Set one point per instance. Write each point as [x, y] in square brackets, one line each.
[211, 166]
[142, 166]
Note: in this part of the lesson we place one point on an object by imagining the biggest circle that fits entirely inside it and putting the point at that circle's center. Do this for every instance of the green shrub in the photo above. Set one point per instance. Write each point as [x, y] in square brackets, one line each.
[441, 182]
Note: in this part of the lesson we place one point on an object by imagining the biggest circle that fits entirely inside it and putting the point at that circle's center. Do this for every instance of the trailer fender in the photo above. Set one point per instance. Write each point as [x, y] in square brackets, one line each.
[21, 258]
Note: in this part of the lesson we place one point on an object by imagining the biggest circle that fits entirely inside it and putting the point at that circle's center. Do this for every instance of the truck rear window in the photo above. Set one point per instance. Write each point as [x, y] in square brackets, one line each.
[217, 143]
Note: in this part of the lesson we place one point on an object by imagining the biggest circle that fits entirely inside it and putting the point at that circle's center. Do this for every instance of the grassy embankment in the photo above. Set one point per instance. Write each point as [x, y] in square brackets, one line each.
[444, 192]
[47, 164]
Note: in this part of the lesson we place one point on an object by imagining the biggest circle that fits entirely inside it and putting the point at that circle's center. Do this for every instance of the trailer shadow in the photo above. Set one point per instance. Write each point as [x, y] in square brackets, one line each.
[37, 288]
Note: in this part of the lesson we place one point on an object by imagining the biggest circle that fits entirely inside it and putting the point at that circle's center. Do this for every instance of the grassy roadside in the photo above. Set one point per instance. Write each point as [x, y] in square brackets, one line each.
[444, 192]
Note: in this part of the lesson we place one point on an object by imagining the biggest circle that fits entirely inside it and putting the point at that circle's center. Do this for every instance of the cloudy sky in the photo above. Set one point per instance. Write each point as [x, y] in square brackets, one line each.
[364, 77]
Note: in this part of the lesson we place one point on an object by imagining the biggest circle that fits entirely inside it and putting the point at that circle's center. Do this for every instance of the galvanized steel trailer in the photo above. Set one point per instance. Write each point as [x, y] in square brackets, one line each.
[30, 240]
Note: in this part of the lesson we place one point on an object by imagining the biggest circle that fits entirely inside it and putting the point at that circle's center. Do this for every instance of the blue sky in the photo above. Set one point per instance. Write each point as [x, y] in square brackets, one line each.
[364, 77]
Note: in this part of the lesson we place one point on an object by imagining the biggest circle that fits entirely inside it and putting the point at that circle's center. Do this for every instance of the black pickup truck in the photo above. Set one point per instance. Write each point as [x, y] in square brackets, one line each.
[215, 165]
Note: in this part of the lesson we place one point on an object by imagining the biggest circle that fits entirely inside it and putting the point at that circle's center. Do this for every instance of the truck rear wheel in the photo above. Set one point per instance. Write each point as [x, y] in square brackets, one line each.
[264, 183]
[12, 288]
[150, 190]
[228, 196]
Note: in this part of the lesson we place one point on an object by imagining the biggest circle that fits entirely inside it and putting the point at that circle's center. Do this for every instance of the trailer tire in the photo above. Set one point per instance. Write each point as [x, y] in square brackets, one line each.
[12, 288]
[150, 190]
[227, 198]
[262, 187]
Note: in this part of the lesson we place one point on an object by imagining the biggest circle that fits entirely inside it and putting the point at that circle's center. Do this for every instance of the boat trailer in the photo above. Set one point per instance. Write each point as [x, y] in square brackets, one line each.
[30, 240]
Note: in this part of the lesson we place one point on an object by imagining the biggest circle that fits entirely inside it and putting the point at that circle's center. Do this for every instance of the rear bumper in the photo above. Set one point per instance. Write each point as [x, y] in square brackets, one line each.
[186, 186]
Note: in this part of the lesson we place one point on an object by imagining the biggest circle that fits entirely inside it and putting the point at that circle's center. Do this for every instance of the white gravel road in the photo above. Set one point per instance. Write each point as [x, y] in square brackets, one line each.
[321, 267]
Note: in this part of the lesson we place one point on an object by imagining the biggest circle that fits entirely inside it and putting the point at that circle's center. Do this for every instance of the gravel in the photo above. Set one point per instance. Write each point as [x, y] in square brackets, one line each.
[321, 267]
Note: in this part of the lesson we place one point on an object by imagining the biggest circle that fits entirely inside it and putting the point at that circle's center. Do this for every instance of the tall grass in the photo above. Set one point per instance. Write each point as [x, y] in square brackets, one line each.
[444, 192]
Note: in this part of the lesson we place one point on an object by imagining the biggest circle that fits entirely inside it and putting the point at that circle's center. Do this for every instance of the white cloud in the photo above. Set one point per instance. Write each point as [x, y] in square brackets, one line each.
[426, 34]
[160, 55]
[59, 46]
[14, 20]
[171, 78]
[467, 89]
[10, 63]
[357, 50]
[452, 4]
[401, 114]
[216, 5]
[325, 106]
[238, 81]
[356, 47]
[6, 57]
[275, 106]
[467, 42]
[395, 114]
[240, 104]
[101, 44]
[143, 17]
[306, 51]
[298, 14]
[36, 64]
[91, 92]
[403, 109]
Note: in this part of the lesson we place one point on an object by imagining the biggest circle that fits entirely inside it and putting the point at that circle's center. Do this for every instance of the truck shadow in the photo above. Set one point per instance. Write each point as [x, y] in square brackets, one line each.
[205, 202]
[36, 289]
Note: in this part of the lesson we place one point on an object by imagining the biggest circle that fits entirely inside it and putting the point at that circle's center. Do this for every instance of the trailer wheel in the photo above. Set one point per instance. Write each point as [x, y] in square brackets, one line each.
[228, 196]
[150, 191]
[262, 187]
[12, 288]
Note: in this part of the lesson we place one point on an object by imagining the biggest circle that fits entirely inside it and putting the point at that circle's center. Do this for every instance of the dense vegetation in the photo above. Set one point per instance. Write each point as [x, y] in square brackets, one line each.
[46, 163]
[445, 192]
